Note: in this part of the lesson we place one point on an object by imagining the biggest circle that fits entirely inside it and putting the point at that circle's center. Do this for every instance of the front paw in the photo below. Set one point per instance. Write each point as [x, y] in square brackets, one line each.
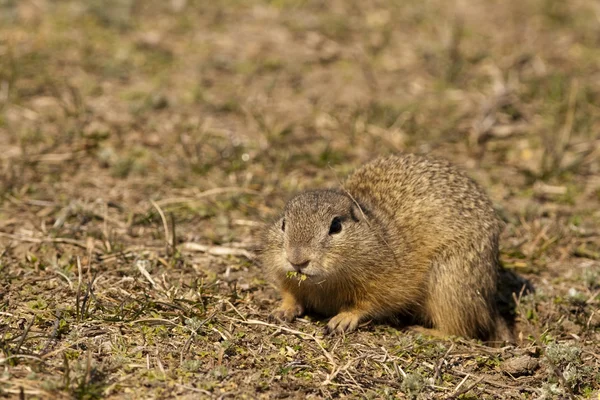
[346, 321]
[288, 312]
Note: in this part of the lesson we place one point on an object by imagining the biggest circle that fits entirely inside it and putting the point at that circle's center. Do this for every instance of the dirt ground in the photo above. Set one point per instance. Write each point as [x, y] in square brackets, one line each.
[145, 143]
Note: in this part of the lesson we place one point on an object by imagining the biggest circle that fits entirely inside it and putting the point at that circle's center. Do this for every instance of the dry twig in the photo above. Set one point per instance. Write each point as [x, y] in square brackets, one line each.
[217, 250]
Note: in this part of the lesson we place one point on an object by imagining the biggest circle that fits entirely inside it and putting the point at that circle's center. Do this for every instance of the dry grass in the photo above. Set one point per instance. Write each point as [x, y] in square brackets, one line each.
[144, 143]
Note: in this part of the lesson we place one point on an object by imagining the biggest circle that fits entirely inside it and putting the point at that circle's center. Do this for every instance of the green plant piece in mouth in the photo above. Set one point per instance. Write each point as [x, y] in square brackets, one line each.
[298, 275]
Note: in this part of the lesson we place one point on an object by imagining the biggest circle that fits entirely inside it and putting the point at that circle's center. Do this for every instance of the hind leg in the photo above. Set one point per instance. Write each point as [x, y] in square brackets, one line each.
[434, 333]
[461, 296]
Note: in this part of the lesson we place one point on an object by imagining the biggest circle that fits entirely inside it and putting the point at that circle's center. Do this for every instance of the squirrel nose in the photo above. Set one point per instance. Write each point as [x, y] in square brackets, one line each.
[298, 257]
[299, 266]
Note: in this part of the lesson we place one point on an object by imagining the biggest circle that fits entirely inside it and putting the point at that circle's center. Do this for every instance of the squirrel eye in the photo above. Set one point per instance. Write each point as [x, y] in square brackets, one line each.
[283, 225]
[336, 226]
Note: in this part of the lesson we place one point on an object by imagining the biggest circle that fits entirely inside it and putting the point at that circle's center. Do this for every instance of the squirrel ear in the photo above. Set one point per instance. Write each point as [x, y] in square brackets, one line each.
[356, 212]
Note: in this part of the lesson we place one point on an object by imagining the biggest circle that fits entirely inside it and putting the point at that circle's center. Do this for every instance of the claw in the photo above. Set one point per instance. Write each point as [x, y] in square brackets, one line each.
[346, 321]
[288, 313]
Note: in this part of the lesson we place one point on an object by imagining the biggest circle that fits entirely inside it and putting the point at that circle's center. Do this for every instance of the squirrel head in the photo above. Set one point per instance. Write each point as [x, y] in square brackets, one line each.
[317, 233]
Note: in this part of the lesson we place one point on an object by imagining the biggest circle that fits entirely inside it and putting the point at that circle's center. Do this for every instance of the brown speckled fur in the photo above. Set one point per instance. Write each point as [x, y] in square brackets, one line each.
[418, 238]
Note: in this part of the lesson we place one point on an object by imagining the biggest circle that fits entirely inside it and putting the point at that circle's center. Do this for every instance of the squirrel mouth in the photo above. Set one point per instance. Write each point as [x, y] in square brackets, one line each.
[300, 276]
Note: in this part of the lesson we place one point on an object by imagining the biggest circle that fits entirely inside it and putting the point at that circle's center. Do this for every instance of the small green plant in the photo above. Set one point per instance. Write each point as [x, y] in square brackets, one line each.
[412, 385]
[562, 354]
[564, 362]
[296, 275]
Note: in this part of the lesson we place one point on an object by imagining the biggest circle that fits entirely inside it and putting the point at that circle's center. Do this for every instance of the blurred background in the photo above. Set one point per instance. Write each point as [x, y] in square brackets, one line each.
[185, 93]
[126, 123]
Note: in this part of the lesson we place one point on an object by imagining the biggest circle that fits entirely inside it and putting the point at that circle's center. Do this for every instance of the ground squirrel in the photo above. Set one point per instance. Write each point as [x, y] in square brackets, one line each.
[405, 236]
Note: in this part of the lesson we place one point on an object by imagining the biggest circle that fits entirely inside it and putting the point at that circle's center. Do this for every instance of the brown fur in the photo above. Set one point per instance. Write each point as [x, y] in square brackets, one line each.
[418, 238]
